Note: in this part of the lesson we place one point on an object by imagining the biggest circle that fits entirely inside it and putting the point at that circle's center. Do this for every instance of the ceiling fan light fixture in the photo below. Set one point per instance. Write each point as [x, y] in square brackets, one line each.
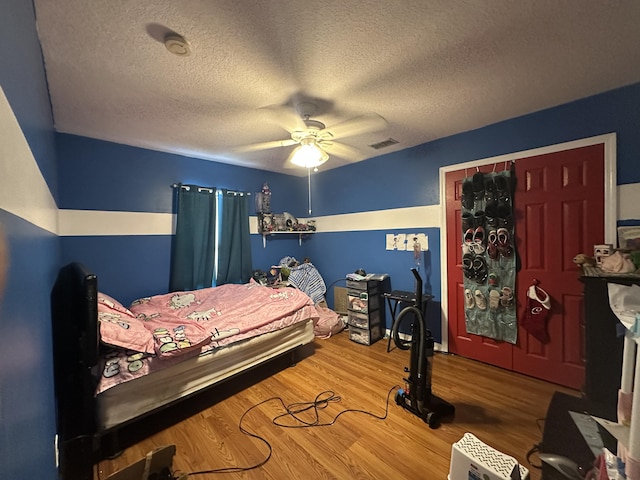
[309, 154]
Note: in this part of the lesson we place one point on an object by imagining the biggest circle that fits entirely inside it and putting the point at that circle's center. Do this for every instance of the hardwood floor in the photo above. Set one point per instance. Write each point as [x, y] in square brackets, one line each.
[501, 408]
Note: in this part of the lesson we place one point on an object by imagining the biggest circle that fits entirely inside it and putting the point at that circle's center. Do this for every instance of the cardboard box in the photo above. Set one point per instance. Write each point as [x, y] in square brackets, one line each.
[340, 300]
[154, 463]
[472, 459]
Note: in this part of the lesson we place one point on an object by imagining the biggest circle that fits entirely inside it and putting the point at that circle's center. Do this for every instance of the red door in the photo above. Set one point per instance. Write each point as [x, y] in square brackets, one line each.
[559, 212]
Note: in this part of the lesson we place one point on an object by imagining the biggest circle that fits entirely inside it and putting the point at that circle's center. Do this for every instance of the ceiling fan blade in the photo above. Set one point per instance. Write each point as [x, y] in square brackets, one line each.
[341, 150]
[362, 124]
[284, 117]
[264, 146]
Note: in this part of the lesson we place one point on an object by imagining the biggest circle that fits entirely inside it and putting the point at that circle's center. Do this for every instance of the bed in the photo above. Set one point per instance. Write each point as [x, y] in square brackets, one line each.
[116, 367]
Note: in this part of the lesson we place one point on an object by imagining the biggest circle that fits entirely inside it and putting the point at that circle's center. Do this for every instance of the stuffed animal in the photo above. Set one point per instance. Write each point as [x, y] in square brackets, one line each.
[618, 263]
[582, 260]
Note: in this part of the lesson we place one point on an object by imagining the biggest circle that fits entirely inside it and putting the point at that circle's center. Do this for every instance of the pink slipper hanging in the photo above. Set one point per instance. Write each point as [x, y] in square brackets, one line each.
[538, 308]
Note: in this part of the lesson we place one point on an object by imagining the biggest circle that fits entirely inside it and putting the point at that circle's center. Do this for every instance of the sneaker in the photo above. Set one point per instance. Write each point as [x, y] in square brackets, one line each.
[478, 240]
[505, 216]
[479, 268]
[504, 242]
[490, 191]
[479, 218]
[467, 195]
[481, 302]
[467, 266]
[477, 185]
[494, 299]
[467, 238]
[503, 186]
[492, 245]
[467, 221]
[491, 214]
[506, 299]
[468, 299]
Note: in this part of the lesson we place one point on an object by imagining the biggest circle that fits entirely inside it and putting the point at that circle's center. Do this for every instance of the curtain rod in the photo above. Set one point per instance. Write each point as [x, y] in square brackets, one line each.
[231, 192]
[188, 187]
[208, 189]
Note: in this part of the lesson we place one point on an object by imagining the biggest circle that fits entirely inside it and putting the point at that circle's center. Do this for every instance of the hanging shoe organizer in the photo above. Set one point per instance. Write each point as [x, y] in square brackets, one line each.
[488, 255]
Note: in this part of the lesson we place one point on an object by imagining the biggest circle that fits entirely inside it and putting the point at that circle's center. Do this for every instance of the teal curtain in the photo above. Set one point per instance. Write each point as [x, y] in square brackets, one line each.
[234, 256]
[193, 249]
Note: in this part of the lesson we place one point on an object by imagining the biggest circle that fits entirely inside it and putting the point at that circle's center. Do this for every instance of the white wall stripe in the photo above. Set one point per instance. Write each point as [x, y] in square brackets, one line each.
[23, 190]
[396, 218]
[93, 222]
[96, 222]
[629, 201]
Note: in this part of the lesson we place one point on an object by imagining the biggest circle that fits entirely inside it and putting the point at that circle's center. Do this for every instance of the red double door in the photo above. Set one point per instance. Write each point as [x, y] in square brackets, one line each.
[558, 213]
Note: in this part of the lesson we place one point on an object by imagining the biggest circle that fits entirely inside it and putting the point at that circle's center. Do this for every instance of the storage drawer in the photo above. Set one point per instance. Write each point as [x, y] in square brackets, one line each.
[362, 301]
[363, 320]
[365, 336]
[368, 285]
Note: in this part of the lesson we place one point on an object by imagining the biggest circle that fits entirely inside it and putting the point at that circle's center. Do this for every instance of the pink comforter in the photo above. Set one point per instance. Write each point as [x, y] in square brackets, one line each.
[227, 314]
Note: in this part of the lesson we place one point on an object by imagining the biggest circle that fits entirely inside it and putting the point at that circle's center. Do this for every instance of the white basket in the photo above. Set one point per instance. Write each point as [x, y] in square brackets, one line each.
[472, 459]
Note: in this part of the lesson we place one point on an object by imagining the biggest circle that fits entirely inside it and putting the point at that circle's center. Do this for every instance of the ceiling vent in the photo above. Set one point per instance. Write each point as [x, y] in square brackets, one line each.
[384, 143]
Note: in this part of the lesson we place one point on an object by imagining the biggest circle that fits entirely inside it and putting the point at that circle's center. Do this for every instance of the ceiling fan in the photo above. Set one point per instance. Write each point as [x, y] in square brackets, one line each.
[313, 139]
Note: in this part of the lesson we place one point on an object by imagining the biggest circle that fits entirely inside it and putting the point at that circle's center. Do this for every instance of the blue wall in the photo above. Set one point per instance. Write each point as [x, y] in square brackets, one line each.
[27, 414]
[104, 176]
[410, 177]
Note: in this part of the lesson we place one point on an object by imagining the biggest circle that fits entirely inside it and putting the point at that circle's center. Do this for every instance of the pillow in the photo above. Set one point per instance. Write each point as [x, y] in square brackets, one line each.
[113, 304]
[119, 326]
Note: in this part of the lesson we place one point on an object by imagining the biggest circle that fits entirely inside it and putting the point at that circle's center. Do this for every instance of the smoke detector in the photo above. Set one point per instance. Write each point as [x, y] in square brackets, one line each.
[177, 44]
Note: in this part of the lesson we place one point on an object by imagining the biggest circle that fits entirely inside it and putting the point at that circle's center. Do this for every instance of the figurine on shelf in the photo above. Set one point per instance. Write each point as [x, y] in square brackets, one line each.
[265, 223]
[263, 199]
[417, 252]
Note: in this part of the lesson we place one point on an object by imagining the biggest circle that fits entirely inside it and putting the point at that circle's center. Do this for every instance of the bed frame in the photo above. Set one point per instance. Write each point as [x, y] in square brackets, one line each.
[76, 347]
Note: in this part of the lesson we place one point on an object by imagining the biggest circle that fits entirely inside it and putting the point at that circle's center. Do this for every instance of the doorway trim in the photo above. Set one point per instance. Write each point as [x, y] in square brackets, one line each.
[610, 202]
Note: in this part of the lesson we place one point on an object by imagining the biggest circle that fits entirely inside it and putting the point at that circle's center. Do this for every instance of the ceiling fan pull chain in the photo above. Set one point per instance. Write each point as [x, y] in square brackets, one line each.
[309, 185]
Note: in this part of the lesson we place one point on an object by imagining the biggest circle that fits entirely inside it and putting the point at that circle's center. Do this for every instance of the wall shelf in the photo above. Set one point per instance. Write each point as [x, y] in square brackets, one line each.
[300, 233]
[279, 224]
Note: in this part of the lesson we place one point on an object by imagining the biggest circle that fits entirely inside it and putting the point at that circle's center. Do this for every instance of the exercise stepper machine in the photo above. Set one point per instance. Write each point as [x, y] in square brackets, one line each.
[417, 396]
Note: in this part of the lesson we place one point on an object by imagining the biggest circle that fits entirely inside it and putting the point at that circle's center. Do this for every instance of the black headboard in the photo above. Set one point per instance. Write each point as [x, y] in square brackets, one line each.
[74, 315]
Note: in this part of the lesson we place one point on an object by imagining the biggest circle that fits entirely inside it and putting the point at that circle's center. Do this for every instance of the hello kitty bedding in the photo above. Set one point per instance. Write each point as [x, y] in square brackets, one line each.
[159, 331]
[162, 353]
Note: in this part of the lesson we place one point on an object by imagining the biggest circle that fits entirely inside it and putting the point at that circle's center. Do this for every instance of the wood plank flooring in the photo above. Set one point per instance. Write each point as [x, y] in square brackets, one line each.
[501, 408]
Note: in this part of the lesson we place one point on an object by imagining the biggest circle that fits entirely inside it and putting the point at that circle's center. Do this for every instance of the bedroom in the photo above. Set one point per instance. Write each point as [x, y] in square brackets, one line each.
[51, 169]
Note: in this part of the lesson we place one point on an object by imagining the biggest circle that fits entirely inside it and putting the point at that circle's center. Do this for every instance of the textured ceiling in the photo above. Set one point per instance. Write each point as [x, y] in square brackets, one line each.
[431, 68]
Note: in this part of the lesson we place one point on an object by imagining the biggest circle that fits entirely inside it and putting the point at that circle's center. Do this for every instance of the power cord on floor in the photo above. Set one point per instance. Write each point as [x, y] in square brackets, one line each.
[292, 411]
[537, 448]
